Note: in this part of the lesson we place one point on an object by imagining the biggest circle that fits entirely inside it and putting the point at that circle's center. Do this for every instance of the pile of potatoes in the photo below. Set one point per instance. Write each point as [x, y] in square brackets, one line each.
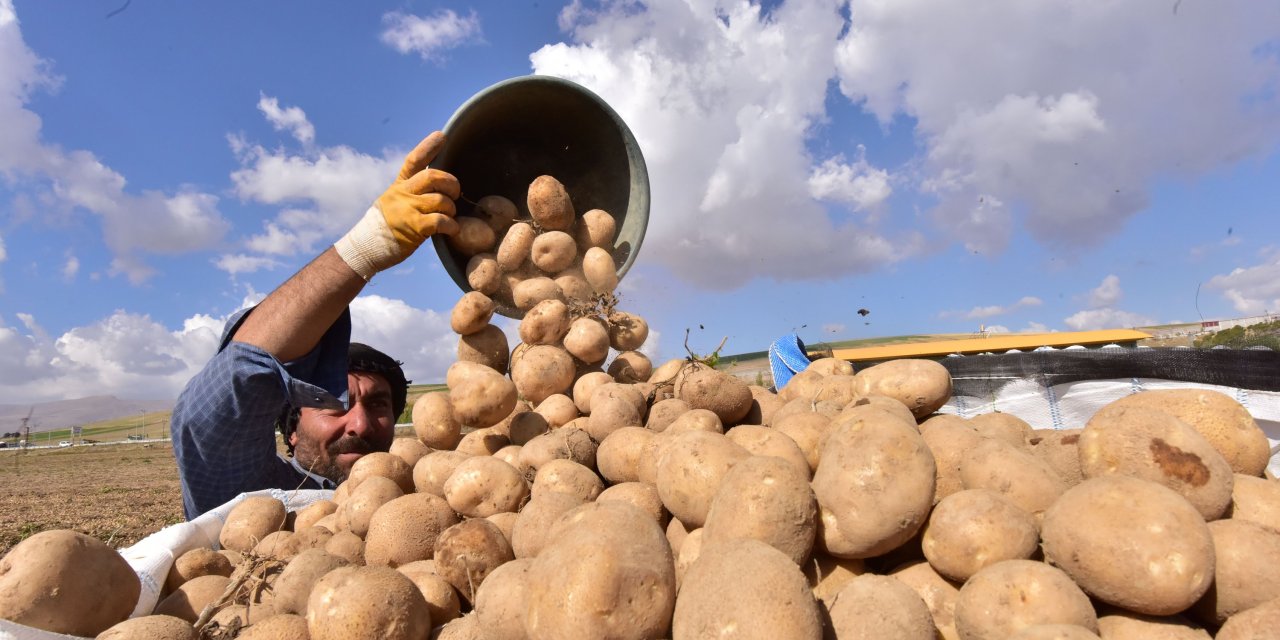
[549, 496]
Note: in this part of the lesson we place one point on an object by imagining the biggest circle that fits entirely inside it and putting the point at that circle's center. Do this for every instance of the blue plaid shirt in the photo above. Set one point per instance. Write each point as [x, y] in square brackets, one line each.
[224, 423]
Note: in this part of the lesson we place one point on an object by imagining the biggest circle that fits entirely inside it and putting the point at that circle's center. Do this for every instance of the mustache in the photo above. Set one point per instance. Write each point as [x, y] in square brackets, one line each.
[350, 444]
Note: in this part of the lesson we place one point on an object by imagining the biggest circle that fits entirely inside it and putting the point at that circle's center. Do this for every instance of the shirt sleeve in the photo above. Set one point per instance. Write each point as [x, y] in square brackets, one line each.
[224, 423]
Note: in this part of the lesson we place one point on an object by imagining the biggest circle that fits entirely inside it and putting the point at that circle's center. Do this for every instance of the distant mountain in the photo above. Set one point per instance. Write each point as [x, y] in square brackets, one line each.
[47, 416]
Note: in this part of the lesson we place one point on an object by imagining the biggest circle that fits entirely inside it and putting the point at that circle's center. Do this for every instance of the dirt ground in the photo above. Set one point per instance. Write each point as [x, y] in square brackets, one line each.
[118, 493]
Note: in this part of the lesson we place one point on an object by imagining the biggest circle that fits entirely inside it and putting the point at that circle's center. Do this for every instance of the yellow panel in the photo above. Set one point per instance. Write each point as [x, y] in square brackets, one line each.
[993, 343]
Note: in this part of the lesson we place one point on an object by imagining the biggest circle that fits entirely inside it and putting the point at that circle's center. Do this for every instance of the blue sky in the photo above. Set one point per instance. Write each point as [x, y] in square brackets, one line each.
[1049, 166]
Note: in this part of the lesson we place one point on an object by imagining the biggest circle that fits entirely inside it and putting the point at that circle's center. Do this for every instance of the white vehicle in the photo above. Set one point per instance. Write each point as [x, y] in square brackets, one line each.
[64, 443]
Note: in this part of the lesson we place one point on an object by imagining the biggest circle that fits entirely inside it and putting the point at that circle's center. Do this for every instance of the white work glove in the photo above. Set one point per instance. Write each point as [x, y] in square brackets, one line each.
[416, 206]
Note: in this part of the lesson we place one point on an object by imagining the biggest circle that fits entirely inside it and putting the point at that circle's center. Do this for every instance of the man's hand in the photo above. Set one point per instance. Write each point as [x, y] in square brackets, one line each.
[416, 206]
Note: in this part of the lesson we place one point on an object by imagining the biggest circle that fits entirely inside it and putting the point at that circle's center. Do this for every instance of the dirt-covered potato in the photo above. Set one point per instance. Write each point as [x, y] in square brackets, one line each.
[201, 561]
[922, 385]
[949, 439]
[367, 602]
[278, 545]
[151, 628]
[529, 292]
[1003, 426]
[766, 499]
[1258, 623]
[354, 513]
[293, 587]
[483, 442]
[567, 476]
[1118, 624]
[346, 545]
[433, 421]
[546, 323]
[1219, 418]
[499, 212]
[587, 340]
[1166, 562]
[613, 574]
[250, 521]
[639, 495]
[533, 522]
[574, 286]
[1154, 445]
[875, 485]
[1059, 449]
[703, 387]
[1055, 632]
[1009, 596]
[514, 249]
[745, 584]
[610, 412]
[1256, 500]
[431, 472]
[831, 367]
[473, 236]
[405, 529]
[484, 274]
[585, 385]
[870, 607]
[631, 366]
[938, 593]
[483, 485]
[502, 599]
[1246, 557]
[809, 431]
[553, 251]
[472, 313]
[549, 204]
[627, 331]
[191, 598]
[442, 598]
[619, 454]
[599, 270]
[763, 441]
[665, 412]
[972, 529]
[764, 403]
[596, 228]
[1012, 472]
[466, 552]
[690, 469]
[566, 442]
[381, 463]
[542, 371]
[67, 582]
[488, 347]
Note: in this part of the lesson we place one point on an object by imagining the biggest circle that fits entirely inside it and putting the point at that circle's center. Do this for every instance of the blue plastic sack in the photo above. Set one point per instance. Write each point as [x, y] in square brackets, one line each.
[786, 358]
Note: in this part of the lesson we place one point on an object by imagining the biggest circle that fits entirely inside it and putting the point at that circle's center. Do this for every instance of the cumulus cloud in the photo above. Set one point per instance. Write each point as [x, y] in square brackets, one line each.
[990, 311]
[430, 36]
[722, 97]
[238, 263]
[420, 338]
[1107, 294]
[70, 268]
[1091, 319]
[291, 119]
[1036, 327]
[125, 354]
[1065, 136]
[1252, 290]
[134, 224]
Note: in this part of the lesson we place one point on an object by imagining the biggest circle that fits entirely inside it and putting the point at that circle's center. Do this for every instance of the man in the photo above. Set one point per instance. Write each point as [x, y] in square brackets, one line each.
[289, 362]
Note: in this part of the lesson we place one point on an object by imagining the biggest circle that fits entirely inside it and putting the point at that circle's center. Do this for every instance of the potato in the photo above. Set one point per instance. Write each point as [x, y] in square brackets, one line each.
[949, 439]
[293, 587]
[972, 529]
[67, 582]
[938, 593]
[690, 550]
[874, 607]
[1013, 473]
[498, 212]
[1258, 623]
[190, 598]
[608, 573]
[250, 521]
[1058, 448]
[764, 404]
[313, 537]
[533, 522]
[763, 441]
[827, 575]
[1165, 562]
[1003, 426]
[706, 388]
[543, 371]
[766, 499]
[587, 340]
[1246, 555]
[281, 626]
[566, 442]
[1119, 624]
[840, 389]
[831, 367]
[235, 614]
[1008, 596]
[431, 472]
[553, 251]
[585, 385]
[488, 347]
[530, 291]
[466, 553]
[923, 385]
[875, 485]
[201, 561]
[749, 585]
[618, 457]
[549, 204]
[473, 236]
[471, 313]
[405, 529]
[546, 323]
[441, 597]
[1220, 419]
[567, 476]
[381, 463]
[599, 270]
[665, 412]
[631, 366]
[596, 228]
[151, 628]
[346, 545]
[502, 599]
[809, 431]
[354, 514]
[639, 495]
[484, 274]
[483, 399]
[1256, 500]
[1153, 445]
[1055, 632]
[515, 247]
[278, 545]
[574, 286]
[610, 413]
[690, 469]
[806, 384]
[627, 331]
[484, 485]
[367, 602]
[433, 421]
[483, 442]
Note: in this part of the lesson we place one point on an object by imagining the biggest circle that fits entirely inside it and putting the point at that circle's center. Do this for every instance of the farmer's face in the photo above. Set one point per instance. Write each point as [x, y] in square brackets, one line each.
[329, 441]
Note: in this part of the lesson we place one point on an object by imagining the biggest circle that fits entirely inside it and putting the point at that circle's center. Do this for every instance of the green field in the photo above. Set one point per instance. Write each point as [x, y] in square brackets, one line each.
[148, 425]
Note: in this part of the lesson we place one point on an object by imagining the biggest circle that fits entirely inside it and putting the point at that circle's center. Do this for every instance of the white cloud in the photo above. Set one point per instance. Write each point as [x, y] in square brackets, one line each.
[238, 263]
[856, 184]
[70, 268]
[1252, 290]
[4, 255]
[421, 338]
[292, 119]
[1091, 319]
[989, 311]
[1068, 132]
[124, 354]
[995, 328]
[431, 36]
[1036, 327]
[133, 224]
[1107, 294]
[721, 98]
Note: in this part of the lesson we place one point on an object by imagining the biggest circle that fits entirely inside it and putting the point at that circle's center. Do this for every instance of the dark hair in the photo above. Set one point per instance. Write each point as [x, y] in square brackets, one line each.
[365, 359]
